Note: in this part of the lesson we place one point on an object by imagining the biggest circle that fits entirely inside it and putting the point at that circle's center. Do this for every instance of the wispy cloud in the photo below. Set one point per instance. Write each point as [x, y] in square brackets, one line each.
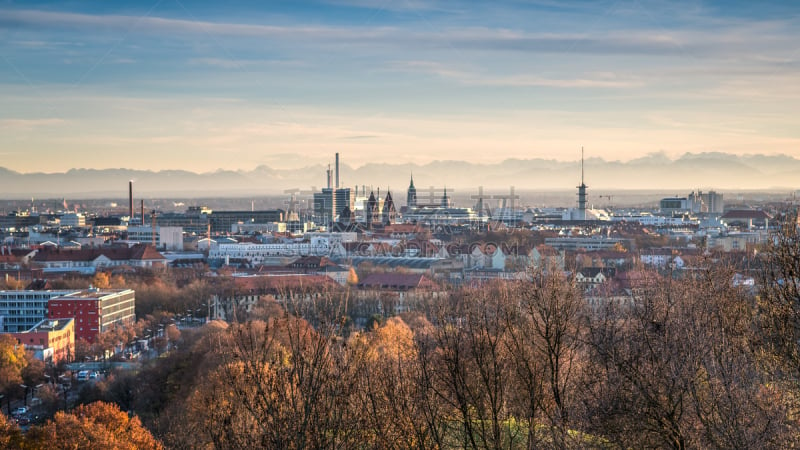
[230, 63]
[28, 124]
[595, 80]
[736, 39]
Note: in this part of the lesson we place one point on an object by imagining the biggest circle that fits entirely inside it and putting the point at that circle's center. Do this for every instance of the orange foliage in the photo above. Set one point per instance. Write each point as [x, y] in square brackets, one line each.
[95, 426]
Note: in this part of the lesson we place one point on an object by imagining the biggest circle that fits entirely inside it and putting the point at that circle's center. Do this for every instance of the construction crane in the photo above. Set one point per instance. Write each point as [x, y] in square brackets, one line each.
[610, 199]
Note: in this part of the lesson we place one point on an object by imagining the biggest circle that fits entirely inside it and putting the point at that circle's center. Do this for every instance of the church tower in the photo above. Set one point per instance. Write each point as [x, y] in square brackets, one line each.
[389, 212]
[411, 199]
[445, 199]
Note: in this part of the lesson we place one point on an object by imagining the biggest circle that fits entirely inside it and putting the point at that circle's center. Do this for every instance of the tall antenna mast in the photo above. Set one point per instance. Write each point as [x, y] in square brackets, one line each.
[581, 164]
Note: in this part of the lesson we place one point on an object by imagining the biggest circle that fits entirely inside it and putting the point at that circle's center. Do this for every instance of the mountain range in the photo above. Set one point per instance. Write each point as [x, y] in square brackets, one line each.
[711, 170]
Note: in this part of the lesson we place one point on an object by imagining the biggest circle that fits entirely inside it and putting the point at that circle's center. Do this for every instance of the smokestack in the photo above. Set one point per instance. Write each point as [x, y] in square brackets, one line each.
[130, 199]
[337, 170]
[329, 176]
[142, 212]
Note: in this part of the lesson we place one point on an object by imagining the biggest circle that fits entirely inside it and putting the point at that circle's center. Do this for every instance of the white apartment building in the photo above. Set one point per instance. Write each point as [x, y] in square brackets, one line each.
[73, 220]
[260, 253]
[167, 238]
[22, 310]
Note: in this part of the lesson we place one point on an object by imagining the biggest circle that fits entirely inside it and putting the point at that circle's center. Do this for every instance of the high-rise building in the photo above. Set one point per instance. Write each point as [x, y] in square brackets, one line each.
[706, 202]
[324, 205]
[329, 204]
[332, 200]
[343, 199]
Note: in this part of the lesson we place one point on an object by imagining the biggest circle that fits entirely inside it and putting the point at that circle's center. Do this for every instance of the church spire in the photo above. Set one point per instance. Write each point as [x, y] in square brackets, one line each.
[445, 199]
[411, 199]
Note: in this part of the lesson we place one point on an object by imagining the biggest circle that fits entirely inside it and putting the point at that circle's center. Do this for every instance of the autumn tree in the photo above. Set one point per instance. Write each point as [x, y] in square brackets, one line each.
[101, 280]
[292, 381]
[12, 363]
[352, 277]
[95, 426]
[395, 407]
[10, 435]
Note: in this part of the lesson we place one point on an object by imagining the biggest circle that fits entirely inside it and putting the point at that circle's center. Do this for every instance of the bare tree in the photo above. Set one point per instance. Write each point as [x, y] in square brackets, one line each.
[678, 368]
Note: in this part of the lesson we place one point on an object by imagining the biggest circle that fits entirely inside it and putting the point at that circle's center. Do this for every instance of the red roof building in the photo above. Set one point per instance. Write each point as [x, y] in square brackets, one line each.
[139, 255]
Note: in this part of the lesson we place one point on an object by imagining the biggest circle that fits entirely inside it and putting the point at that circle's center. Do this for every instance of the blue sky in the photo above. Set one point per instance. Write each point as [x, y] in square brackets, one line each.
[203, 85]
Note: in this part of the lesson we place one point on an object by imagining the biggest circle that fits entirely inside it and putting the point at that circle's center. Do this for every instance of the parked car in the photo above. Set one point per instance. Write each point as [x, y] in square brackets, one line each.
[92, 375]
[83, 375]
[20, 411]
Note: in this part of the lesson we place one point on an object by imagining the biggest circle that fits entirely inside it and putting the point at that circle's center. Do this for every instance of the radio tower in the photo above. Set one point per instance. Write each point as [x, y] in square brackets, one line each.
[582, 194]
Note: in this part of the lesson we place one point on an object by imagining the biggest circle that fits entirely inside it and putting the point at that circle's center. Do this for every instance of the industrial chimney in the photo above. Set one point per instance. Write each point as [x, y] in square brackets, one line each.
[130, 199]
[329, 176]
[337, 170]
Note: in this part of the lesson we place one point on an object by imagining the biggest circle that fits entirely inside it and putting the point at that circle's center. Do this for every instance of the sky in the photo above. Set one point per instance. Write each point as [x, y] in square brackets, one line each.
[209, 85]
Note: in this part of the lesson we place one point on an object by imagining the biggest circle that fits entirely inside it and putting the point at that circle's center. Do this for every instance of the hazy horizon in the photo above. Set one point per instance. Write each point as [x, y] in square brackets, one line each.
[706, 171]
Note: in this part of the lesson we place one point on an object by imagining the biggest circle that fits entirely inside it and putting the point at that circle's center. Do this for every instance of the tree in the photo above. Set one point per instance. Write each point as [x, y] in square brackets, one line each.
[95, 426]
[12, 362]
[33, 372]
[779, 304]
[48, 394]
[394, 406]
[352, 277]
[101, 280]
[10, 436]
[674, 368]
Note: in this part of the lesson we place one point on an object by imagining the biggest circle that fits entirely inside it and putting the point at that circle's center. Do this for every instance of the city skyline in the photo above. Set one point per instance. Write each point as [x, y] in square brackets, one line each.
[204, 86]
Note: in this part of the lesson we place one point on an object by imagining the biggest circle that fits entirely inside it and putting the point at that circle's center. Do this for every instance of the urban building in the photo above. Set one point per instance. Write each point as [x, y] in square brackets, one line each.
[672, 205]
[221, 221]
[73, 220]
[705, 202]
[258, 254]
[88, 260]
[50, 340]
[22, 310]
[166, 238]
[586, 243]
[95, 311]
[194, 221]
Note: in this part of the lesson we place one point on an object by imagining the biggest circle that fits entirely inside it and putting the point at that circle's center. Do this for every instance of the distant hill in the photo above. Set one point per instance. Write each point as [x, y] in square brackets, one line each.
[653, 171]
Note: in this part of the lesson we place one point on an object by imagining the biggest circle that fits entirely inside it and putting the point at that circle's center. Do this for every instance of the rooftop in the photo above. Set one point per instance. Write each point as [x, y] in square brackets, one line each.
[48, 325]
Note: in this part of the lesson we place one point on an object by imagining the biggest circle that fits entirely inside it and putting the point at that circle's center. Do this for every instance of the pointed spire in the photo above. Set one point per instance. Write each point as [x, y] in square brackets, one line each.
[411, 186]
